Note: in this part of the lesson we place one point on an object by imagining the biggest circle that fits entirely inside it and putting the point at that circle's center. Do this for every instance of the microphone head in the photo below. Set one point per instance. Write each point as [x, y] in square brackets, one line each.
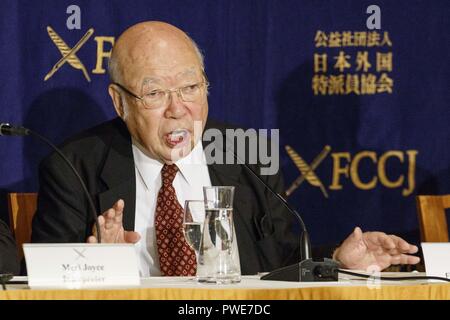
[7, 130]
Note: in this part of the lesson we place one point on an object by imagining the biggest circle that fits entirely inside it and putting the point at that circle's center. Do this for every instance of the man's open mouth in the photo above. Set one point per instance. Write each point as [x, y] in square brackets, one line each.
[177, 137]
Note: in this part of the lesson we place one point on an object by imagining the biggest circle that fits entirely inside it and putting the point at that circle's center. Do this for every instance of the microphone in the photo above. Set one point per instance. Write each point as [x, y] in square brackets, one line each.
[308, 269]
[305, 242]
[8, 130]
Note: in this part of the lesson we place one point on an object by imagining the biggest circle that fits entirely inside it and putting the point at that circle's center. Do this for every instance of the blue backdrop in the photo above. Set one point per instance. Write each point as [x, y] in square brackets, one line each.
[313, 69]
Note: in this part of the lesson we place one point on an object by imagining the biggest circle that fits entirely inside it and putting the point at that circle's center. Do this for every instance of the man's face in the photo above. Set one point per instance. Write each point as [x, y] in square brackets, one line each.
[164, 131]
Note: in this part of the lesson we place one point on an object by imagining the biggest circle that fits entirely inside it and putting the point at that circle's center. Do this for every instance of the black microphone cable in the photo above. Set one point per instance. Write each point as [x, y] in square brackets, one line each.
[367, 276]
[7, 129]
[324, 271]
[4, 278]
[305, 242]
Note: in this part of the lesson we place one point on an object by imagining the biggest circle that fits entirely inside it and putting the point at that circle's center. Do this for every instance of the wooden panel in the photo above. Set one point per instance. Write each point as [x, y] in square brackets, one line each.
[22, 207]
[432, 218]
[159, 288]
[446, 201]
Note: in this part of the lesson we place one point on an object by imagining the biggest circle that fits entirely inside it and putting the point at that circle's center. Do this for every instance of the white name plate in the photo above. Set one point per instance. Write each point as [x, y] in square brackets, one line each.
[437, 258]
[79, 265]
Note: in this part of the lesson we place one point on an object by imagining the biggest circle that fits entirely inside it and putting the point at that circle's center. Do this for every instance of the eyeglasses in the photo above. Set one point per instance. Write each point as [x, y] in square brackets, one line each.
[160, 98]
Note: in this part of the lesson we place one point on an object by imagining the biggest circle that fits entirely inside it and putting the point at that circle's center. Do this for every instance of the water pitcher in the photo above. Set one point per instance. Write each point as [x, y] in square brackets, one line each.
[218, 260]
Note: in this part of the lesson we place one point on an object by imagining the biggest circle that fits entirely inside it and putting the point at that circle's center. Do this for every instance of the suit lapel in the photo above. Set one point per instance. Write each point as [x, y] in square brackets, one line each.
[118, 174]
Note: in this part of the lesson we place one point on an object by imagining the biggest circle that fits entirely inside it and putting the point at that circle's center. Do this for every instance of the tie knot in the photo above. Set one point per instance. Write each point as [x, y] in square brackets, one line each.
[168, 173]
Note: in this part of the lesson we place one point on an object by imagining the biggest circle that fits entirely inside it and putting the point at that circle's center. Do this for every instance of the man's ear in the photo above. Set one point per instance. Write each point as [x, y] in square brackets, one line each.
[117, 100]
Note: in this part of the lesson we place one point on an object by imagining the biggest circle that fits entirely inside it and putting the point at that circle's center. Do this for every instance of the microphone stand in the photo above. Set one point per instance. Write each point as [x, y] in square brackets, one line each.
[308, 269]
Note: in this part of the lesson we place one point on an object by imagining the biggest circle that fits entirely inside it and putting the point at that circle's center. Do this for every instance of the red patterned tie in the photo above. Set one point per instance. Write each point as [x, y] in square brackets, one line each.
[176, 257]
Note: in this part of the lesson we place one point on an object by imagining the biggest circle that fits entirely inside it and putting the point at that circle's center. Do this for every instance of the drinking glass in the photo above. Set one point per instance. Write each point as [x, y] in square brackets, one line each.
[193, 218]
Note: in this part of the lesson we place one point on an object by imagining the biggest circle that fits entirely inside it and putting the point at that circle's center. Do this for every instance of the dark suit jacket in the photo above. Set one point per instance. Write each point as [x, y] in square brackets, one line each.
[8, 251]
[103, 156]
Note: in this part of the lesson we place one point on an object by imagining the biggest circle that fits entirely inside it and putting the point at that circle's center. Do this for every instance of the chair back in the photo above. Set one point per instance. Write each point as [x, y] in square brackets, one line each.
[432, 217]
[22, 207]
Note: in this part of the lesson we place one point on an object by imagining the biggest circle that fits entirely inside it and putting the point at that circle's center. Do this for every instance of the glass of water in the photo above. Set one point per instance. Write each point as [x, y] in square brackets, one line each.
[193, 218]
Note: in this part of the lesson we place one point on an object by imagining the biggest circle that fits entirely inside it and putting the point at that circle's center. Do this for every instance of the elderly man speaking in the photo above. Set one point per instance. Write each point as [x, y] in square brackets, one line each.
[138, 168]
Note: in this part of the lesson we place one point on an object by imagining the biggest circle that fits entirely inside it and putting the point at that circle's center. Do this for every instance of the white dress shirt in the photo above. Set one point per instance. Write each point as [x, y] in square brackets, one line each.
[188, 183]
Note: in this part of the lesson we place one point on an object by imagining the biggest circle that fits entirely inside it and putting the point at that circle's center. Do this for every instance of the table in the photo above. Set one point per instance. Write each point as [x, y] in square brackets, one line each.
[251, 288]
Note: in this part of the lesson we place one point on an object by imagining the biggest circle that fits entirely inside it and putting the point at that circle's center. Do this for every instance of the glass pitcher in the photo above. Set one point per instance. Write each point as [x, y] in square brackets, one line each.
[218, 260]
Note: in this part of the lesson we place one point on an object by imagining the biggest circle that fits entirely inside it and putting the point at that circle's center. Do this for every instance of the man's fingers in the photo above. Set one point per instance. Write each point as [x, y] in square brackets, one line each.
[404, 259]
[380, 240]
[129, 237]
[404, 246]
[110, 223]
[393, 244]
[353, 242]
[109, 218]
[357, 232]
[118, 207]
[356, 235]
[113, 216]
[110, 214]
[101, 221]
[396, 259]
[116, 210]
[412, 260]
[386, 241]
[92, 239]
[132, 237]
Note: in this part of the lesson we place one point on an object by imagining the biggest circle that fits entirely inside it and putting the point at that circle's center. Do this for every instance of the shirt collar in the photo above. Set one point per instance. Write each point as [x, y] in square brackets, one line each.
[192, 165]
[189, 166]
[148, 168]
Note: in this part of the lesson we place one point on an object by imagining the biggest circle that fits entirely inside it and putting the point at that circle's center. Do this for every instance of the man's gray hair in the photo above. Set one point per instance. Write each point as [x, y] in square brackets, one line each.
[116, 76]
